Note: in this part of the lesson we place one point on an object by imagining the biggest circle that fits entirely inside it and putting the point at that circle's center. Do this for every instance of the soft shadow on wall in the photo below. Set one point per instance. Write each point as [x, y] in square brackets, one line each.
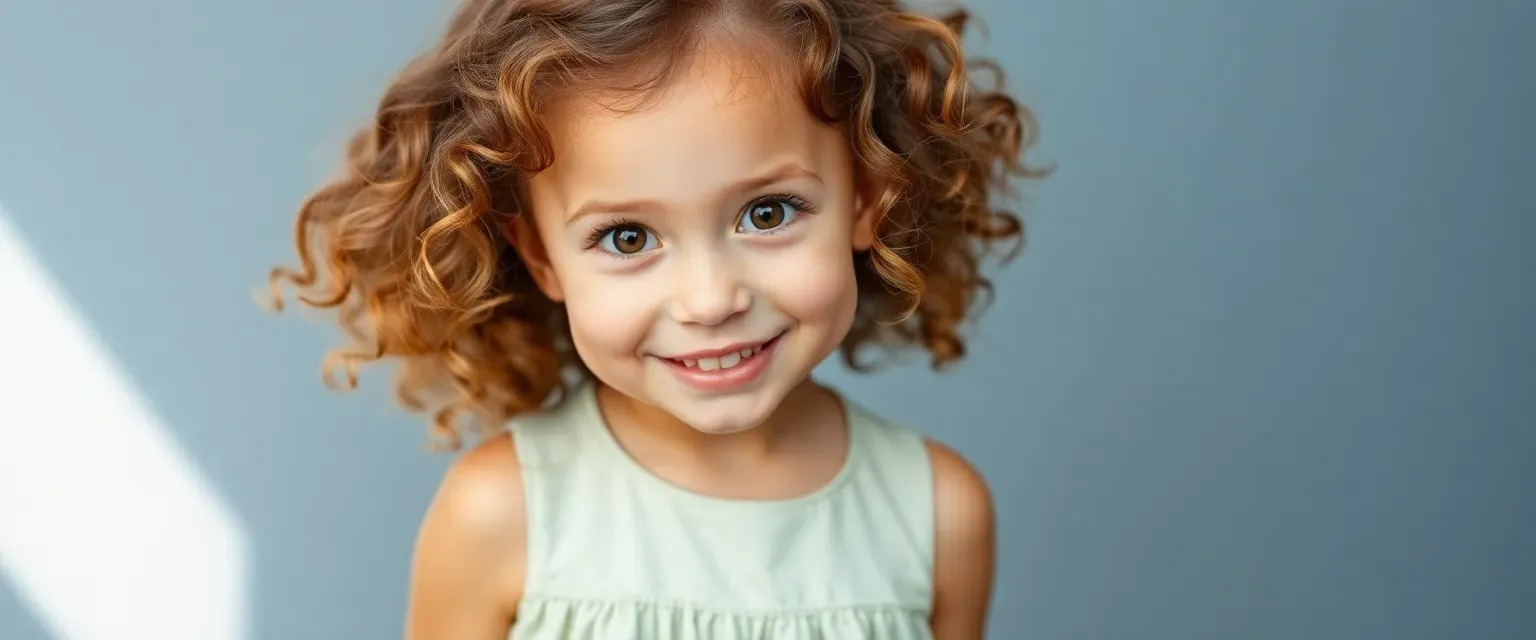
[17, 619]
[151, 157]
[110, 529]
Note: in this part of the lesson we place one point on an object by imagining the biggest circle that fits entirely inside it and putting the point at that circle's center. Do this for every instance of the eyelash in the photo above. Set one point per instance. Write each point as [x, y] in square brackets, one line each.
[595, 237]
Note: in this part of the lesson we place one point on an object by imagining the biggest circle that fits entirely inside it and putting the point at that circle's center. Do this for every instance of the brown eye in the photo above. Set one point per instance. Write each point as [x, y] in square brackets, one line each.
[628, 239]
[767, 216]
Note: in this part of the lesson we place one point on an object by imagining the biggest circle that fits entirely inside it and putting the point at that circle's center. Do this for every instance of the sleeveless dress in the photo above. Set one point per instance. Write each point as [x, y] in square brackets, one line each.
[615, 552]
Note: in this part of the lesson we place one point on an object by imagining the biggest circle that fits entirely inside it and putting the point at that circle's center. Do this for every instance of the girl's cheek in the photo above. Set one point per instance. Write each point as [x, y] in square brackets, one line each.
[610, 314]
[814, 283]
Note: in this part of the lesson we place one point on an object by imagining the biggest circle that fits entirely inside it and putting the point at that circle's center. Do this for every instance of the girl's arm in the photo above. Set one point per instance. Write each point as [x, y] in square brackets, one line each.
[467, 574]
[965, 549]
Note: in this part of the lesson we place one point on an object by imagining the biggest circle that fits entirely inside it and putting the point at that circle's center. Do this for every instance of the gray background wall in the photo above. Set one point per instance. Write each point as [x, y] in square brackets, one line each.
[1265, 371]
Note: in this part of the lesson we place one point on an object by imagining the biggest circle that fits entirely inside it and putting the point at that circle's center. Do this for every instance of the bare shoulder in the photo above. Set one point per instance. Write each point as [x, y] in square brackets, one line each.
[962, 499]
[965, 546]
[482, 493]
[467, 572]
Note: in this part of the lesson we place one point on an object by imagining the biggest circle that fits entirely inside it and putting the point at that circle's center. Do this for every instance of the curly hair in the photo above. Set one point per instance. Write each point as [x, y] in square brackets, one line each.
[406, 245]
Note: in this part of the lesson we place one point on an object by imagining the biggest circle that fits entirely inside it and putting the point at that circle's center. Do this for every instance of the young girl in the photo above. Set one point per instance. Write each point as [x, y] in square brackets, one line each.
[618, 235]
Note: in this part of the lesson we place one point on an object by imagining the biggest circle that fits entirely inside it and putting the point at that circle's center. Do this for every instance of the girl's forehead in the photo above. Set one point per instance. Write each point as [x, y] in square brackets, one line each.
[711, 126]
[746, 90]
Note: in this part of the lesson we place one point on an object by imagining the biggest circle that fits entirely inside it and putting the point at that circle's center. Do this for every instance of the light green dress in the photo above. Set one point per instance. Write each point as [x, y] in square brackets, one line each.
[615, 552]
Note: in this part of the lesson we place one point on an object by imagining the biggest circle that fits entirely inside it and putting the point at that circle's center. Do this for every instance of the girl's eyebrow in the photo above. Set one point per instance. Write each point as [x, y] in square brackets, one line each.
[780, 173]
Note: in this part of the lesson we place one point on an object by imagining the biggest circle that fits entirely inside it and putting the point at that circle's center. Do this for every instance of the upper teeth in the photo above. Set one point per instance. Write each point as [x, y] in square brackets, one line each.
[723, 362]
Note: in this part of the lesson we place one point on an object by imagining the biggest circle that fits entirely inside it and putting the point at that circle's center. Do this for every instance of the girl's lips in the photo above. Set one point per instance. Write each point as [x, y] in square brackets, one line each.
[728, 370]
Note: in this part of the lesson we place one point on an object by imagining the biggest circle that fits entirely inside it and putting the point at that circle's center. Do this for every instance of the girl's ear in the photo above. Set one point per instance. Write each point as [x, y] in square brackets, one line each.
[868, 189]
[524, 236]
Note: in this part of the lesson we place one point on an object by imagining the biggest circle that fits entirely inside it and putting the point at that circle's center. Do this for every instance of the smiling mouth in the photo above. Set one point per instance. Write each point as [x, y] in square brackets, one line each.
[727, 360]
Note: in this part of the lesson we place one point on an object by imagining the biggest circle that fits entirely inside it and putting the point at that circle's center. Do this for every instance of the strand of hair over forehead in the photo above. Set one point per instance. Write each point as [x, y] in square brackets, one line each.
[406, 247]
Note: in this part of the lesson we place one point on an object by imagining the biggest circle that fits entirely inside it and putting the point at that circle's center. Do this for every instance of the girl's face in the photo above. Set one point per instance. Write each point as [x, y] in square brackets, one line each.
[703, 246]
